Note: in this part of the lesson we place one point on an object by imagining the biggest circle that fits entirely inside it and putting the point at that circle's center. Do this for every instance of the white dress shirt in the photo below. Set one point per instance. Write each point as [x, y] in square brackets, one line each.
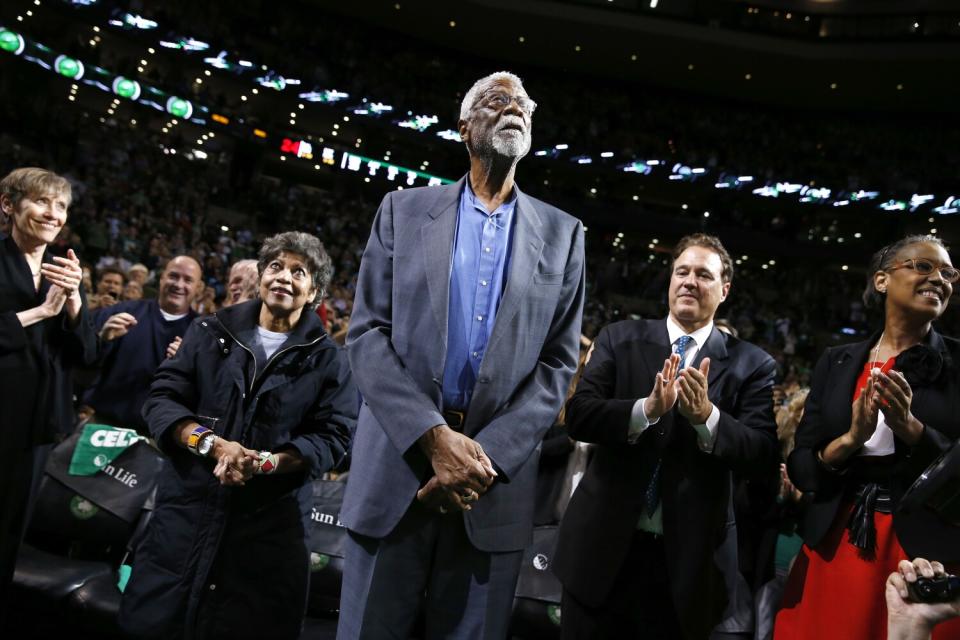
[706, 433]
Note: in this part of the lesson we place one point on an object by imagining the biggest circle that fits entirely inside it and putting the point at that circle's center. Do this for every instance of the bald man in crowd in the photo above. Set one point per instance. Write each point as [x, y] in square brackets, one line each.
[134, 336]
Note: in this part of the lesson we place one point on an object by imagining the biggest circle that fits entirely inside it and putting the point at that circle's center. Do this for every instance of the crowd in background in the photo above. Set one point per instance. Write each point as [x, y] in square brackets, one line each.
[837, 150]
[136, 206]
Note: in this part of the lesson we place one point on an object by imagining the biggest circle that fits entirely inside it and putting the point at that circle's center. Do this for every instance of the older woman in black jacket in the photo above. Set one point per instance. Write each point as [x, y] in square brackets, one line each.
[257, 401]
[45, 330]
[878, 413]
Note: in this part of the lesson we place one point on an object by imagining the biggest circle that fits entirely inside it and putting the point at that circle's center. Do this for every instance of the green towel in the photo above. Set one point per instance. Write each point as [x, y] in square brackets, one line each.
[98, 446]
[123, 576]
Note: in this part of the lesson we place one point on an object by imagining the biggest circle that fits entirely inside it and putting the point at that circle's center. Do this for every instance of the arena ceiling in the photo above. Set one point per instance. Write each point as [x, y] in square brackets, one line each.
[824, 54]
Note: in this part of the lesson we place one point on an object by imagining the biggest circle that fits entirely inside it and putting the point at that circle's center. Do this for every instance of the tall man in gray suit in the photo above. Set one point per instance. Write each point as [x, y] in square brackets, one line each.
[463, 340]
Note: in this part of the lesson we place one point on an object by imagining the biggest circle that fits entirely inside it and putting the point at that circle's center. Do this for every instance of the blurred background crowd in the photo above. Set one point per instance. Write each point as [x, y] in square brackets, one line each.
[148, 186]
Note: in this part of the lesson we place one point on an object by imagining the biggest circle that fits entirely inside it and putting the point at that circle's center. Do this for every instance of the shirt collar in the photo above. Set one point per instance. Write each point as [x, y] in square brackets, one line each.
[699, 336]
[474, 202]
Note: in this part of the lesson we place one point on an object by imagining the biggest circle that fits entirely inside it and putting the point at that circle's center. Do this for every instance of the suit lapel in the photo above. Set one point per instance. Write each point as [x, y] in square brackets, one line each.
[655, 349]
[923, 390]
[716, 349]
[20, 270]
[935, 341]
[849, 367]
[527, 247]
[437, 236]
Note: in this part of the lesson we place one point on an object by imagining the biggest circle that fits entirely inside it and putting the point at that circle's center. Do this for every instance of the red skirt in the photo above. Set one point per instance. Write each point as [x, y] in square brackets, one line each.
[832, 593]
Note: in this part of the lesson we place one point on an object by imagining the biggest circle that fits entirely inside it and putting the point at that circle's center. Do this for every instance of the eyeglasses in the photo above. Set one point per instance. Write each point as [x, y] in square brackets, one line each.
[499, 101]
[926, 267]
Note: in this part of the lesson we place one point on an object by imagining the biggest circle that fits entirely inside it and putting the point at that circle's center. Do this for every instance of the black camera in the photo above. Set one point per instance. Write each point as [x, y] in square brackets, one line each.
[939, 589]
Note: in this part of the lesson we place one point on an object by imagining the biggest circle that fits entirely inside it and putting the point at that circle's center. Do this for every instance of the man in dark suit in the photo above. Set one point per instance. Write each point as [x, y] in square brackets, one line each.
[463, 340]
[648, 546]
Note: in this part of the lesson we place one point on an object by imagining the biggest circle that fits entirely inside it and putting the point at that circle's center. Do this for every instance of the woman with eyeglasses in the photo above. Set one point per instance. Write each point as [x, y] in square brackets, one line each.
[879, 411]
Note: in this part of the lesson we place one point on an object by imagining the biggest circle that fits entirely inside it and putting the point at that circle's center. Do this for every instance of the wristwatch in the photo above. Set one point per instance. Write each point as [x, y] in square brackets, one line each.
[205, 446]
[200, 437]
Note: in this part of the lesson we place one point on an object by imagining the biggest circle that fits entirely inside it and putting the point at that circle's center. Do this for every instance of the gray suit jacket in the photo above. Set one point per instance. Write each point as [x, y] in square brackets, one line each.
[397, 348]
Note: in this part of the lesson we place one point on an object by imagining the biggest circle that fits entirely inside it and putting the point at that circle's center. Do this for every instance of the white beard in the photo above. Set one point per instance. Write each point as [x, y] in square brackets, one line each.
[511, 143]
[508, 143]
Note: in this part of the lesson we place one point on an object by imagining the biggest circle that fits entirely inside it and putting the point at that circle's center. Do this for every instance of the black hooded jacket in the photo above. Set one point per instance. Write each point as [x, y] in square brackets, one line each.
[301, 398]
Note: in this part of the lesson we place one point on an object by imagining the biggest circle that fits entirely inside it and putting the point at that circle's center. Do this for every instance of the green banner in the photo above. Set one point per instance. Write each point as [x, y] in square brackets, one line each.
[98, 445]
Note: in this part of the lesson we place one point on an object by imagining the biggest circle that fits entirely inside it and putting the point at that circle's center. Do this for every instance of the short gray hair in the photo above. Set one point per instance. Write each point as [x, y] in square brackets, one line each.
[246, 263]
[318, 261]
[482, 85]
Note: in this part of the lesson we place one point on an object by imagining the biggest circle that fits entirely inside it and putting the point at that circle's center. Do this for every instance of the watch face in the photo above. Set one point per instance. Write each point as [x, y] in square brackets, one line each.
[206, 445]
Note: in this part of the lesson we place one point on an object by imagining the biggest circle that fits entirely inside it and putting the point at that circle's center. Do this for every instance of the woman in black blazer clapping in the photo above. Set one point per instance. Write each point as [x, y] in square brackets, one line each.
[878, 413]
[45, 331]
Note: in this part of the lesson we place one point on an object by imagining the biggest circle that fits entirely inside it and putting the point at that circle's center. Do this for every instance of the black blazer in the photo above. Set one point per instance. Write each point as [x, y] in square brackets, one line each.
[35, 362]
[599, 525]
[827, 415]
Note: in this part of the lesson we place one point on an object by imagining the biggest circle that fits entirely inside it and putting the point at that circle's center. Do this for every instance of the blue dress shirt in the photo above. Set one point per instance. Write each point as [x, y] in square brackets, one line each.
[478, 274]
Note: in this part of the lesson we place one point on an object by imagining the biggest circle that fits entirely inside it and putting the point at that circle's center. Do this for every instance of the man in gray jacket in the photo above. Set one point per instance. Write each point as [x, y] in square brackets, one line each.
[463, 340]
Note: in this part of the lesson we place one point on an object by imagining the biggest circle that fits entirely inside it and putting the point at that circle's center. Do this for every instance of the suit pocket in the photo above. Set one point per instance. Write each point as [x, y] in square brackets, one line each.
[548, 278]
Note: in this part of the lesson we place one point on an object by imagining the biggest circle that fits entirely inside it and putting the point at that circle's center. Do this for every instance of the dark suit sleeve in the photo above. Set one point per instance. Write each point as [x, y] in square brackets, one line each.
[101, 315]
[931, 444]
[173, 392]
[514, 432]
[593, 415]
[402, 409]
[805, 471]
[81, 342]
[748, 439]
